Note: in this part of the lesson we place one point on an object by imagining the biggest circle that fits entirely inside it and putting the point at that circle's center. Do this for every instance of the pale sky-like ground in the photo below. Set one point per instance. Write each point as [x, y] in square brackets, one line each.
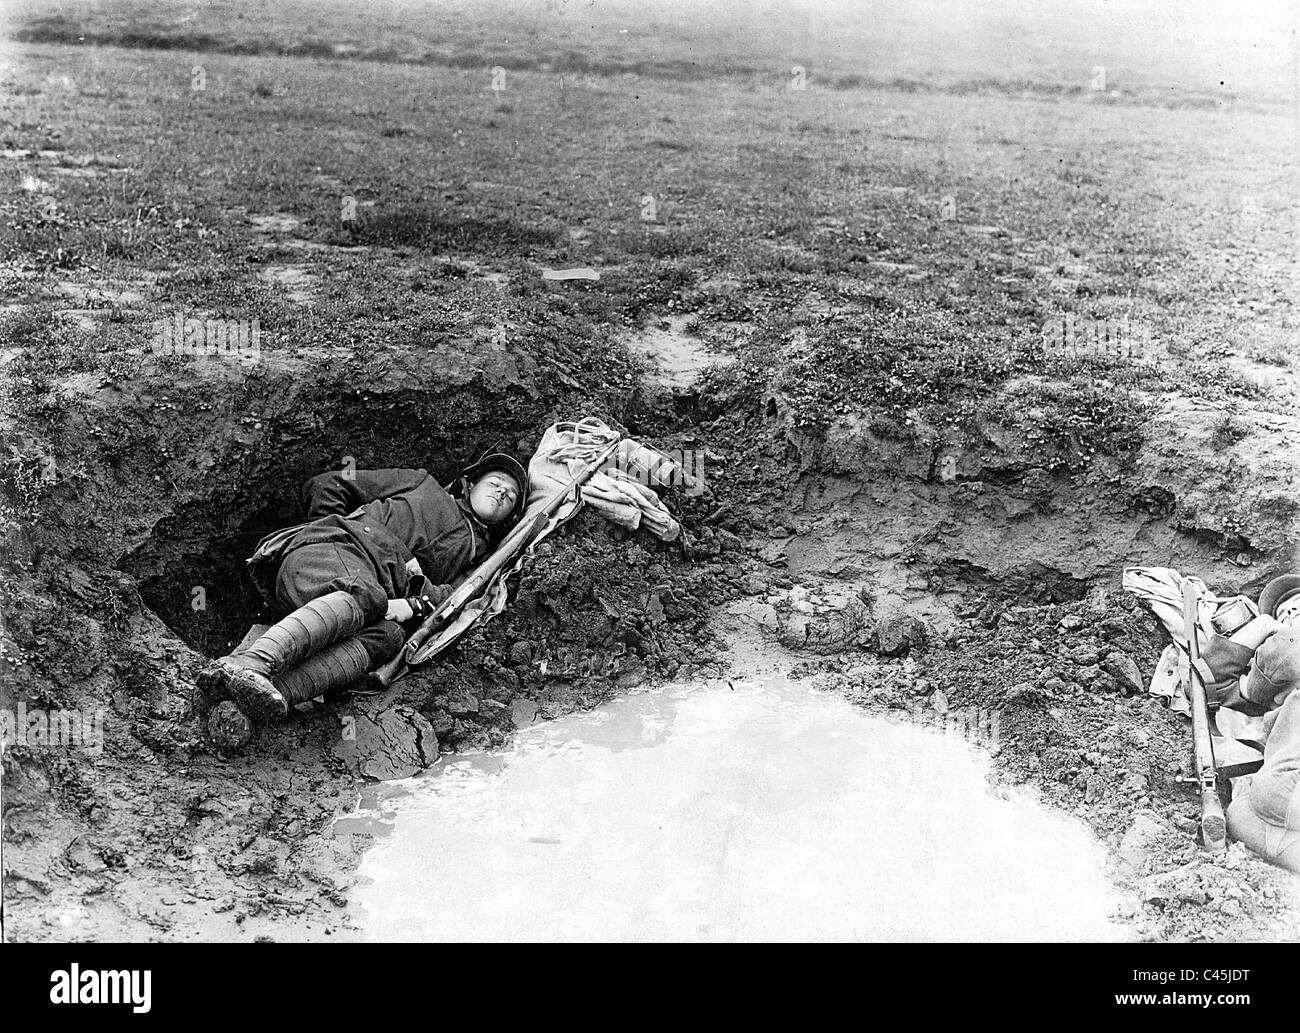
[1250, 45]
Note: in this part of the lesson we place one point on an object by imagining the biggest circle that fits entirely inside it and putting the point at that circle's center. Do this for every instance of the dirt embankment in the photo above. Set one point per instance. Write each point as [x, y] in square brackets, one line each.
[985, 599]
[990, 590]
[126, 572]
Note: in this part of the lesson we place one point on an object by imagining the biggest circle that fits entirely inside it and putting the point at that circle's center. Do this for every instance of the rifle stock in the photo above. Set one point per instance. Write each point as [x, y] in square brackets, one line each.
[1214, 828]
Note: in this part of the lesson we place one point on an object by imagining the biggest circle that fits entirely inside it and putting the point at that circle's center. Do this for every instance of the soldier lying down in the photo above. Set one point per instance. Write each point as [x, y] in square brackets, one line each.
[379, 547]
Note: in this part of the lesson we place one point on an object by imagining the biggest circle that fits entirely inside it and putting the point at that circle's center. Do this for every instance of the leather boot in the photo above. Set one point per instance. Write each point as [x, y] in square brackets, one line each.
[246, 676]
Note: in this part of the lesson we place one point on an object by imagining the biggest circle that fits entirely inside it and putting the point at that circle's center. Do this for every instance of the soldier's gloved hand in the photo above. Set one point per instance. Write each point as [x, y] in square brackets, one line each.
[399, 610]
[417, 607]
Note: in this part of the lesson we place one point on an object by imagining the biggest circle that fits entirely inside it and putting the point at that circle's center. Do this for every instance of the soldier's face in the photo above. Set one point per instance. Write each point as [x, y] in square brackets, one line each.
[493, 496]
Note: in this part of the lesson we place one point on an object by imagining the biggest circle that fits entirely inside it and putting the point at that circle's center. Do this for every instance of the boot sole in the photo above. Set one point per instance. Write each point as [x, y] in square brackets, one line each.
[214, 683]
[257, 697]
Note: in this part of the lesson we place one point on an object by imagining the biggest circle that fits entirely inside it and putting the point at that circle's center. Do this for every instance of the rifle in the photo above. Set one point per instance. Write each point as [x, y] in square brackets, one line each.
[1213, 827]
[414, 653]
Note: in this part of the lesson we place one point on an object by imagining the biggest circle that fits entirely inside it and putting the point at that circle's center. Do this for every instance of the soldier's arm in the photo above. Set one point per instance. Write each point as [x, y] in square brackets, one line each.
[429, 598]
[342, 491]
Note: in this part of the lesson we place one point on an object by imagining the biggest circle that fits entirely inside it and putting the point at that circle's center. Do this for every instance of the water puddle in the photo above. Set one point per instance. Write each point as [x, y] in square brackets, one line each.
[766, 810]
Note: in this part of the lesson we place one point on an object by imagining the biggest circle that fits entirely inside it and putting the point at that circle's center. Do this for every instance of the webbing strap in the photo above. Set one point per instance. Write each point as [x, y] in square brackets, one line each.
[1203, 669]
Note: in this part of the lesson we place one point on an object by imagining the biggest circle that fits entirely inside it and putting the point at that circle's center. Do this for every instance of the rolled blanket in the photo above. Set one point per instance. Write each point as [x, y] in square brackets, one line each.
[619, 490]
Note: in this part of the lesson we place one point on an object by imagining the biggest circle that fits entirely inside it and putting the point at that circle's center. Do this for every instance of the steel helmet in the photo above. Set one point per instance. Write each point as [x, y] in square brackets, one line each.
[506, 464]
[1278, 591]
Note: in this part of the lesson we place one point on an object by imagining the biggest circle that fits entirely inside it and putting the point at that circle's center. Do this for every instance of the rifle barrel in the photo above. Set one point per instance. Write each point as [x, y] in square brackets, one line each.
[506, 551]
[383, 676]
[1213, 826]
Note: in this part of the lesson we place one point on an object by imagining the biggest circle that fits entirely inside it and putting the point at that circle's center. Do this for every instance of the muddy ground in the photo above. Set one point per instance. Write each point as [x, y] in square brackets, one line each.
[918, 501]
